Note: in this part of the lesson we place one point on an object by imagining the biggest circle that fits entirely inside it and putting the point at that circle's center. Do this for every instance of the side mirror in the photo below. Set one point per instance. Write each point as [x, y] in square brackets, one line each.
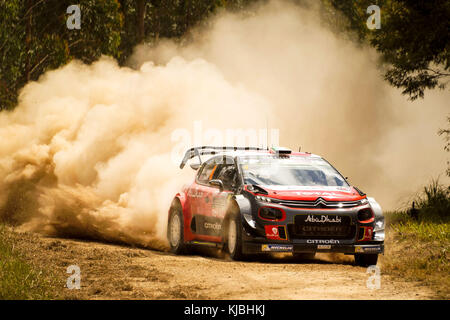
[216, 183]
[195, 166]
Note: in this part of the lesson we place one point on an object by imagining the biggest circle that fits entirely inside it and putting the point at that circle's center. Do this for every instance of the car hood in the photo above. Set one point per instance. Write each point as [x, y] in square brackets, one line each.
[312, 193]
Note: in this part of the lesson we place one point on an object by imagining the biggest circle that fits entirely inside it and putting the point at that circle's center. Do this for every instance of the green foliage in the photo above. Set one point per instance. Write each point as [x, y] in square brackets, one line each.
[432, 203]
[12, 51]
[18, 279]
[423, 231]
[413, 256]
[349, 17]
[433, 222]
[417, 250]
[34, 38]
[414, 40]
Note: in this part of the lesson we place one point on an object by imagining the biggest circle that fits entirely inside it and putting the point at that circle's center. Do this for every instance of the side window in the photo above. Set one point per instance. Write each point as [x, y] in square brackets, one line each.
[227, 173]
[207, 171]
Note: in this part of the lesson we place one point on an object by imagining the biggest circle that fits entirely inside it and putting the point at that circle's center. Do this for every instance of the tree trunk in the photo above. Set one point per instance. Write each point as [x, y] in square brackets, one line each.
[156, 19]
[28, 31]
[140, 20]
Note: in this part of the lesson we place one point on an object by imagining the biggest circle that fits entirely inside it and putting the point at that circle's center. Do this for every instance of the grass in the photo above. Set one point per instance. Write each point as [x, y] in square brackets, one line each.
[20, 280]
[417, 249]
[434, 202]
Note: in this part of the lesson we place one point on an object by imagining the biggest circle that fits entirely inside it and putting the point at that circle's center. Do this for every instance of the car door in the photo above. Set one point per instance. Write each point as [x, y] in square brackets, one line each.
[200, 199]
[210, 204]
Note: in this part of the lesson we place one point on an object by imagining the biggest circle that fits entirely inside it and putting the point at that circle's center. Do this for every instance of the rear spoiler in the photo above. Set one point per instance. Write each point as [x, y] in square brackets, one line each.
[198, 151]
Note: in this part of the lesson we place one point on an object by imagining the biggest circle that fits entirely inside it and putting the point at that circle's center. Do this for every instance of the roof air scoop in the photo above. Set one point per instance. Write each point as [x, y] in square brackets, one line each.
[280, 151]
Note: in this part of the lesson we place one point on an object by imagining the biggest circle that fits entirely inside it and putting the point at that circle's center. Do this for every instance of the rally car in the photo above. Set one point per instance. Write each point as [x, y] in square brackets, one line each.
[255, 200]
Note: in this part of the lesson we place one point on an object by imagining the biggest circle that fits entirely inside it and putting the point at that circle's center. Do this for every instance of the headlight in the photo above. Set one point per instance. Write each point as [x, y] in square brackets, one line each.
[264, 199]
[364, 201]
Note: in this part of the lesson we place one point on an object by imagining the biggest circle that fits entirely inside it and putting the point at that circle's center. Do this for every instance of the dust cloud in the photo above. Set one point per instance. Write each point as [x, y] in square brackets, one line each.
[89, 150]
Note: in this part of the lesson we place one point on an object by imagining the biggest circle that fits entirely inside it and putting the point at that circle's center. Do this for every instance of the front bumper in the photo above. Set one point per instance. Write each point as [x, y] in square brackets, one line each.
[259, 247]
[262, 236]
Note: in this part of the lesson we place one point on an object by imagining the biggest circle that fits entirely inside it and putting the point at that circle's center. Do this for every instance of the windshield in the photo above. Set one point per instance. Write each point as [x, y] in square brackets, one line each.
[289, 171]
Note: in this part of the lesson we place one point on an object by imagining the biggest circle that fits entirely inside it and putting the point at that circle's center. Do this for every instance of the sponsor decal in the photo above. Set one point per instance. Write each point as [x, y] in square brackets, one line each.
[211, 226]
[326, 241]
[194, 193]
[367, 235]
[276, 247]
[329, 228]
[323, 219]
[321, 194]
[272, 233]
[371, 249]
[214, 226]
[361, 249]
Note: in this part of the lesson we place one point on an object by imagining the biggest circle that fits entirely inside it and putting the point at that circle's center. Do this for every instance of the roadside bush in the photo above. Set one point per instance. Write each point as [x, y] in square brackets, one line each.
[432, 204]
[18, 278]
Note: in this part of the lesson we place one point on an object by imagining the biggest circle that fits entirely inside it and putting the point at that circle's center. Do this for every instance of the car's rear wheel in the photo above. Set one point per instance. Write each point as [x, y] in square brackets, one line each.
[304, 255]
[234, 238]
[365, 260]
[175, 232]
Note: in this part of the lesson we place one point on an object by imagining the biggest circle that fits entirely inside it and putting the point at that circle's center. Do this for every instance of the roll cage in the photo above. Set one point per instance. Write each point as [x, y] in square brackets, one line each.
[221, 160]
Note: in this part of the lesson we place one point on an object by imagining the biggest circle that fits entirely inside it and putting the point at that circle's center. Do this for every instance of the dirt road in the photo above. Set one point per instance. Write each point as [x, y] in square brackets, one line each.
[111, 271]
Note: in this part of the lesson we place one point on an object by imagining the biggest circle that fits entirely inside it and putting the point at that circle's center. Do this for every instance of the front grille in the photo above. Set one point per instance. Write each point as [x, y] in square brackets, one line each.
[318, 203]
[308, 227]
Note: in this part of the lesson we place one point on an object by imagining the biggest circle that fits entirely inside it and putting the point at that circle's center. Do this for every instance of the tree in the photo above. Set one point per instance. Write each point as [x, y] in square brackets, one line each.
[413, 40]
[34, 38]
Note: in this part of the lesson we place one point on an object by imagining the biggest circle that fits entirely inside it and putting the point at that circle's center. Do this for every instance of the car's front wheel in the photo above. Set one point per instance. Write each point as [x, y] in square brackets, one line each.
[175, 232]
[234, 238]
[365, 260]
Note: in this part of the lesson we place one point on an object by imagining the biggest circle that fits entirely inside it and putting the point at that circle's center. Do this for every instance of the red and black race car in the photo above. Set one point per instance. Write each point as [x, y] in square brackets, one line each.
[255, 200]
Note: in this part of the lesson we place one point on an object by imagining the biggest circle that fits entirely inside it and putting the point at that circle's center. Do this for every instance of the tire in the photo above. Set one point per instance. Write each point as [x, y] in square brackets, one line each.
[175, 233]
[365, 260]
[304, 255]
[234, 238]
